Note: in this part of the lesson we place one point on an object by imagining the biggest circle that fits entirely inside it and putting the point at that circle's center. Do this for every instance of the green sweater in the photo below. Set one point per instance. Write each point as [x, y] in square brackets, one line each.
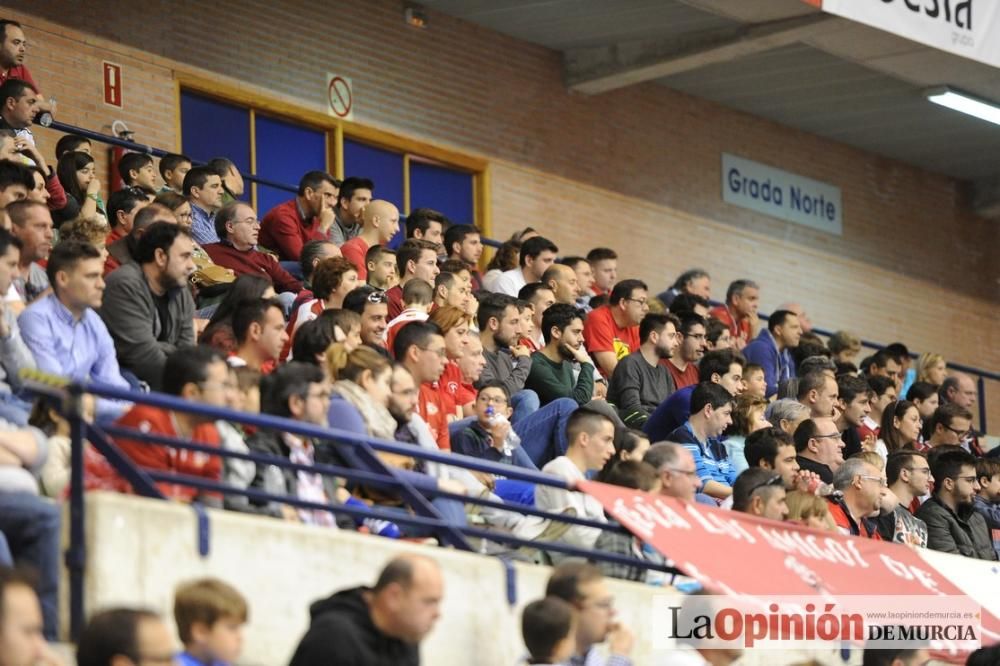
[552, 381]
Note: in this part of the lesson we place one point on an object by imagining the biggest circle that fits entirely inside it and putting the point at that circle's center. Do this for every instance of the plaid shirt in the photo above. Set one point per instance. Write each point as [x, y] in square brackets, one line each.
[619, 543]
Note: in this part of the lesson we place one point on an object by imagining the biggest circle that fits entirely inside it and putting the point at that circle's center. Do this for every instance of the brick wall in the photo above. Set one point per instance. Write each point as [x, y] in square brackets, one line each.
[638, 169]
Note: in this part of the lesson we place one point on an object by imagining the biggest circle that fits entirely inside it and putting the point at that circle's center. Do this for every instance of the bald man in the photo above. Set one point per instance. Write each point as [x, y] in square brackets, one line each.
[563, 282]
[376, 625]
[379, 223]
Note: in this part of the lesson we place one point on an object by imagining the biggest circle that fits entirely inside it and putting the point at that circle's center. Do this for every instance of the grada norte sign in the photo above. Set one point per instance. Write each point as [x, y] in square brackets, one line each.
[969, 28]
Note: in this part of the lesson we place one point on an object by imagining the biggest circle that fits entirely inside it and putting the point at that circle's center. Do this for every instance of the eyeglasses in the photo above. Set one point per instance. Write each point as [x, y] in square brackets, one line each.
[696, 337]
[775, 480]
[640, 301]
[686, 472]
[443, 352]
[962, 434]
[969, 479]
[252, 221]
[493, 400]
[878, 479]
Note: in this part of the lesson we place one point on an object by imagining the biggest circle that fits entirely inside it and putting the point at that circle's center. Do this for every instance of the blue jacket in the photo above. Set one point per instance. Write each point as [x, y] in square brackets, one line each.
[763, 351]
[670, 415]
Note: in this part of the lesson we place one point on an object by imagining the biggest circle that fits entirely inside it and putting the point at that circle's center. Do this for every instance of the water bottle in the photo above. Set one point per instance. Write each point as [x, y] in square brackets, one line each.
[494, 419]
[44, 118]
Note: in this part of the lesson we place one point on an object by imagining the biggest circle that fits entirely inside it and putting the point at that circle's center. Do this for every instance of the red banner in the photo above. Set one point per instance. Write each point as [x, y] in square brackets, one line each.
[734, 553]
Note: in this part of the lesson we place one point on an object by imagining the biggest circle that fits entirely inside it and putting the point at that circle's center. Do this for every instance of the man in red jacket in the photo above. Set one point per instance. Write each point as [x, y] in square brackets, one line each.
[238, 227]
[290, 225]
[198, 375]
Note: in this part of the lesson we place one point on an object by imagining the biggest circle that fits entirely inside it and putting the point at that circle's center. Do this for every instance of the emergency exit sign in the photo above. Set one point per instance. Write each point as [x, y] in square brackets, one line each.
[112, 84]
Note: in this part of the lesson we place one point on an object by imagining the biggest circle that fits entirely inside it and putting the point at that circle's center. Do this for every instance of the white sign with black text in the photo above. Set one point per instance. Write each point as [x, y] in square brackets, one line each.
[786, 196]
[969, 28]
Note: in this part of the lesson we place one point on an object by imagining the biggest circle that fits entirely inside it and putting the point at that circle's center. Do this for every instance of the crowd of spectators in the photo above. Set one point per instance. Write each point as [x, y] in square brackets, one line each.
[312, 312]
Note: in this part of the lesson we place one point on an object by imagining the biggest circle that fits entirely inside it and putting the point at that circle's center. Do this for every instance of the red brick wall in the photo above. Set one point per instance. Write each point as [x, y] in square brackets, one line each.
[638, 169]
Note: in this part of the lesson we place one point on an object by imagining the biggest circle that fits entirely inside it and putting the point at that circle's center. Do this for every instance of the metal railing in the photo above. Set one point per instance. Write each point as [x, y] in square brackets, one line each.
[980, 374]
[361, 466]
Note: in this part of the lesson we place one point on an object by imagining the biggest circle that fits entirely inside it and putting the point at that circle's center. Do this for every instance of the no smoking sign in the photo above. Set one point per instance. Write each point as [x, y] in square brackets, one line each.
[339, 96]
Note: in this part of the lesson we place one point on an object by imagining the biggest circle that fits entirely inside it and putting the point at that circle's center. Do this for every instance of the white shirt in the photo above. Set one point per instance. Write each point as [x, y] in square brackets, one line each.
[510, 282]
[557, 501]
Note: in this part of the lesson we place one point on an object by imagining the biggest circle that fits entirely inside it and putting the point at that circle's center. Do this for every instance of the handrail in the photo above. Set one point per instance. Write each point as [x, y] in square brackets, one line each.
[158, 152]
[979, 372]
[143, 480]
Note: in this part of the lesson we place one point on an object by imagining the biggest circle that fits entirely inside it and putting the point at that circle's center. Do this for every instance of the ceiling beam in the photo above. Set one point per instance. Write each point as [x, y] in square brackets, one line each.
[605, 68]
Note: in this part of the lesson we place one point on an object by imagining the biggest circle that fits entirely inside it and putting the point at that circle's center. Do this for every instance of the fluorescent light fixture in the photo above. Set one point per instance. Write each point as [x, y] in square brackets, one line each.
[964, 103]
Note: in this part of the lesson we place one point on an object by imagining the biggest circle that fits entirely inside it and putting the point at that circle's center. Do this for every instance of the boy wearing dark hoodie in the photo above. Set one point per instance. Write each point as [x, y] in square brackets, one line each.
[377, 626]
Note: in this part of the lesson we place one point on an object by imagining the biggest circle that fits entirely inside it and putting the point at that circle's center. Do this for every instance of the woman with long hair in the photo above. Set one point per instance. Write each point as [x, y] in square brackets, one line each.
[925, 396]
[633, 446]
[77, 173]
[332, 280]
[455, 325]
[504, 259]
[900, 428]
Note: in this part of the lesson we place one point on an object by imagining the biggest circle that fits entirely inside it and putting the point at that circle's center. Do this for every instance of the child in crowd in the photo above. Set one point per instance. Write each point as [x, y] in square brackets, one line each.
[526, 333]
[549, 630]
[210, 615]
[753, 377]
[55, 475]
[418, 297]
[987, 501]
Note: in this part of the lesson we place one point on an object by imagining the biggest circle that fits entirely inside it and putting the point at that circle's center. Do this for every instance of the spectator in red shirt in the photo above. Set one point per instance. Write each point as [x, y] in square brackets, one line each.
[333, 280]
[195, 374]
[123, 206]
[538, 298]
[415, 258]
[259, 328]
[604, 264]
[612, 331]
[381, 264]
[455, 325]
[881, 392]
[683, 364]
[861, 485]
[238, 227]
[740, 311]
[379, 223]
[287, 227]
[13, 52]
[420, 347]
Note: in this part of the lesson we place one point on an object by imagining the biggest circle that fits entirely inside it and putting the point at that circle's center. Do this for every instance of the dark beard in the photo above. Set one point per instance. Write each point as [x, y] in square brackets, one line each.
[501, 344]
[662, 353]
[566, 353]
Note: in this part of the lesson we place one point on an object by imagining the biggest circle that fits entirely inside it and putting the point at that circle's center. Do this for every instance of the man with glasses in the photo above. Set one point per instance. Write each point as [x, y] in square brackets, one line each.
[959, 389]
[612, 331]
[860, 495]
[194, 374]
[147, 305]
[683, 365]
[820, 448]
[678, 474]
[760, 492]
[582, 585]
[953, 525]
[419, 347]
[909, 476]
[238, 227]
[949, 424]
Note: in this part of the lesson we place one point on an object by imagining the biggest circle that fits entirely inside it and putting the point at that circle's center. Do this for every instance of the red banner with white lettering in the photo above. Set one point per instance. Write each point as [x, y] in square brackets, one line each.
[737, 554]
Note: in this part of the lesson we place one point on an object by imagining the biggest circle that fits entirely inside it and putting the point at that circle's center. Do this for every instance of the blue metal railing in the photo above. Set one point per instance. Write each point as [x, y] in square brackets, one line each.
[980, 374]
[362, 467]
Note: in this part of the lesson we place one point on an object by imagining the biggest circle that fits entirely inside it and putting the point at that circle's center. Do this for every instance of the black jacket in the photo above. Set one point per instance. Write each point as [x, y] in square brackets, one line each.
[965, 532]
[341, 632]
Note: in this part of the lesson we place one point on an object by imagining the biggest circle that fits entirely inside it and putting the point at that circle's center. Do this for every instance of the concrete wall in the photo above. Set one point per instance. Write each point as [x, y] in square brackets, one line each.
[637, 169]
[138, 550]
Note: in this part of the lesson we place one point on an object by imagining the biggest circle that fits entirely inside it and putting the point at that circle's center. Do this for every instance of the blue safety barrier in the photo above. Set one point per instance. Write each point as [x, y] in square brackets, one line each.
[371, 471]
